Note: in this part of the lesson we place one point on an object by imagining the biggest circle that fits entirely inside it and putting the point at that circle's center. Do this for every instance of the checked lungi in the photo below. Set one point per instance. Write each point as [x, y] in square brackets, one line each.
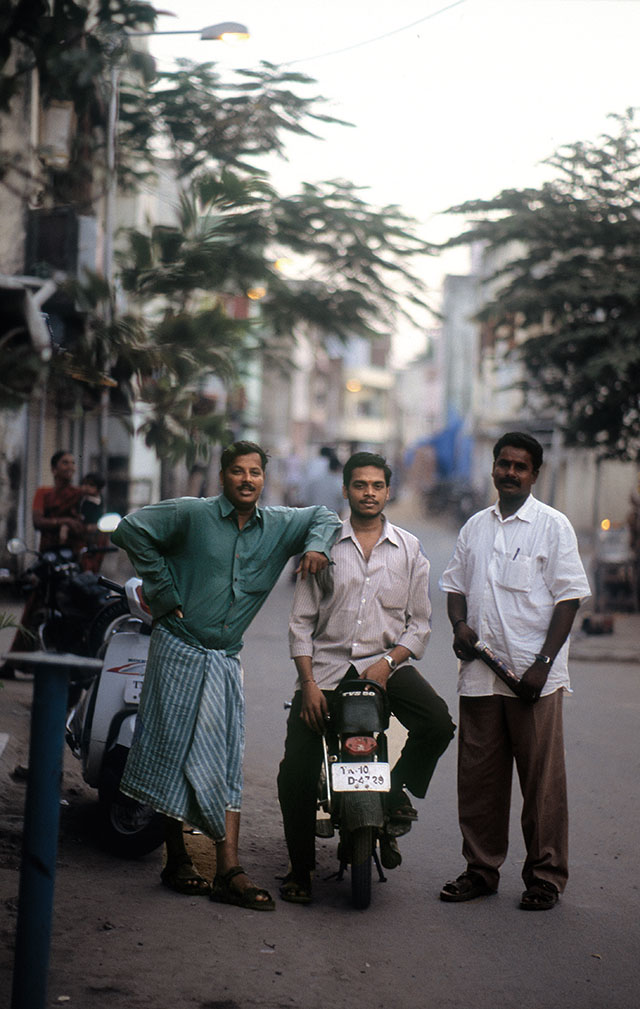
[188, 745]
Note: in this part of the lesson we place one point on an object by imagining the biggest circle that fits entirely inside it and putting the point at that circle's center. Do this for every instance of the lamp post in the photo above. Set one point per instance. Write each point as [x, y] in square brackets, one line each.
[225, 31]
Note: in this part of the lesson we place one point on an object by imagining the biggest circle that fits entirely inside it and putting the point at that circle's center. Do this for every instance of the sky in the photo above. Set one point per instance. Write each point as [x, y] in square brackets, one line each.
[449, 101]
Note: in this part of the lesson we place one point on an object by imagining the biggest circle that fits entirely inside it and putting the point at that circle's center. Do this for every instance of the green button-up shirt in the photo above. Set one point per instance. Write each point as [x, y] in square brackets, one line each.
[191, 555]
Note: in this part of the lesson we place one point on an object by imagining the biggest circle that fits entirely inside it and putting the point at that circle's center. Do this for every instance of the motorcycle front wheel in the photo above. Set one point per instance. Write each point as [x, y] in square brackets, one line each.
[361, 841]
[130, 829]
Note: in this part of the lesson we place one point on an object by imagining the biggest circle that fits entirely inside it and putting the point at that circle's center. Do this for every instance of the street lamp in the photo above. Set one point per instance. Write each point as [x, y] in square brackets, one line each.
[226, 31]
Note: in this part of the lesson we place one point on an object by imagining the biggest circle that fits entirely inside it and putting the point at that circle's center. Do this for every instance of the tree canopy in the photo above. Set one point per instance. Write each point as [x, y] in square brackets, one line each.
[209, 131]
[569, 284]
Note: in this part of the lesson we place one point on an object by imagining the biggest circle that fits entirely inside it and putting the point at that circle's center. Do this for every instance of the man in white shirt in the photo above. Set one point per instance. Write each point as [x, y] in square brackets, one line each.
[515, 581]
[371, 621]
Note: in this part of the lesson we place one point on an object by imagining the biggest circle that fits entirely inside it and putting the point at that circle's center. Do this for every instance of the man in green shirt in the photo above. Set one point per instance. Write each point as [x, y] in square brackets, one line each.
[207, 566]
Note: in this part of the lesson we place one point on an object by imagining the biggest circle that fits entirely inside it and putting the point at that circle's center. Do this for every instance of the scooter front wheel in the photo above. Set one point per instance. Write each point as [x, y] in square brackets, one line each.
[361, 855]
[130, 829]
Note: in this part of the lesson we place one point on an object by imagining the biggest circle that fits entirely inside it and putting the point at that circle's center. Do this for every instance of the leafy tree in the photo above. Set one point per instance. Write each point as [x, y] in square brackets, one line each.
[571, 283]
[221, 246]
[231, 224]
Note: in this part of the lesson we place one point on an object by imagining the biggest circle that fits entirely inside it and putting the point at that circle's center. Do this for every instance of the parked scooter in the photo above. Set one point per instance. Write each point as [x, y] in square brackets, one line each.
[100, 728]
[354, 780]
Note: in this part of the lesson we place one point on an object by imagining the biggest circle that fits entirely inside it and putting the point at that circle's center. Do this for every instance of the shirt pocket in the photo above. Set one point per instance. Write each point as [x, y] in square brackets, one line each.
[516, 573]
[394, 599]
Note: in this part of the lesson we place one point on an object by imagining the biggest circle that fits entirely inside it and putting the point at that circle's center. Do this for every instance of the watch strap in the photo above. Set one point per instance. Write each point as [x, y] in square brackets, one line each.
[543, 658]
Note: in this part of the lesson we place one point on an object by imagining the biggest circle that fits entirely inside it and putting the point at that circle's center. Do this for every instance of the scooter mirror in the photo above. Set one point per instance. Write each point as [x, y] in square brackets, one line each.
[16, 547]
[108, 522]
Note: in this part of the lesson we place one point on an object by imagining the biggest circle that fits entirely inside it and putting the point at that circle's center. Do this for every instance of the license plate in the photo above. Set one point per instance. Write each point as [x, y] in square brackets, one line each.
[355, 777]
[132, 691]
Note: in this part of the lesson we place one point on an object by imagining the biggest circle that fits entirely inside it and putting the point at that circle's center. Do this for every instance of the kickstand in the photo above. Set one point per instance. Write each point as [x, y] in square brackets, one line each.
[381, 875]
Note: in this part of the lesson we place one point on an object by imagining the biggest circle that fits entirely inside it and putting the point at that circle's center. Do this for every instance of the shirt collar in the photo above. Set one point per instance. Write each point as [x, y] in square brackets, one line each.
[227, 509]
[525, 512]
[388, 532]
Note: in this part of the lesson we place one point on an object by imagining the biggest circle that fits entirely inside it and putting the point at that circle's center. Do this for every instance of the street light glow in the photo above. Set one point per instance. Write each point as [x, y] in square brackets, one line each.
[226, 31]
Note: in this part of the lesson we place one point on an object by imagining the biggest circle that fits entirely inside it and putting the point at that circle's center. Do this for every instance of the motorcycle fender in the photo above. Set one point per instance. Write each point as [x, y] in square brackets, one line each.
[362, 809]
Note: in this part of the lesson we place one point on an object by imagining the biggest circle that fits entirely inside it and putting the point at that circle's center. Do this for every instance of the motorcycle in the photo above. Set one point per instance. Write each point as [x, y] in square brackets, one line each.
[65, 601]
[99, 729]
[354, 779]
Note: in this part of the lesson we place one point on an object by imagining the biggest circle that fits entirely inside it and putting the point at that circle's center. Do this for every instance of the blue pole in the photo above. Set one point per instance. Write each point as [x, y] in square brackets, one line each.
[40, 837]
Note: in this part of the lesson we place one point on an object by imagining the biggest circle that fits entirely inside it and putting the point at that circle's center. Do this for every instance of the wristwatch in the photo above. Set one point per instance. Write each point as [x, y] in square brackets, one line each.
[392, 662]
[543, 658]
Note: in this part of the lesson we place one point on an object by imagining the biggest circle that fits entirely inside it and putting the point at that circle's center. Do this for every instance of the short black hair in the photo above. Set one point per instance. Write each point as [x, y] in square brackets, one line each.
[238, 448]
[95, 478]
[57, 456]
[519, 439]
[359, 459]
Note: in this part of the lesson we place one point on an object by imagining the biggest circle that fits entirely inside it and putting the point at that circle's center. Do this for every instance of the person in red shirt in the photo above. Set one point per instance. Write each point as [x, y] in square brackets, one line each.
[55, 509]
[56, 516]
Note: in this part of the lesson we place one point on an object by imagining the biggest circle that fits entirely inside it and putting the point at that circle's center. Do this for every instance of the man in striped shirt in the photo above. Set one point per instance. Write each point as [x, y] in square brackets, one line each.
[372, 619]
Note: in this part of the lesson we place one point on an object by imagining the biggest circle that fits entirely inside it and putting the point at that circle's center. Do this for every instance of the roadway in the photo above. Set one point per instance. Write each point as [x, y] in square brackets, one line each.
[121, 940]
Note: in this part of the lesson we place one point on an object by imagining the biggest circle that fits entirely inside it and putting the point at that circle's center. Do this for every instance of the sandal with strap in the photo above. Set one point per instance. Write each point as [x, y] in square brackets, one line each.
[540, 896]
[467, 886]
[182, 877]
[254, 898]
[294, 891]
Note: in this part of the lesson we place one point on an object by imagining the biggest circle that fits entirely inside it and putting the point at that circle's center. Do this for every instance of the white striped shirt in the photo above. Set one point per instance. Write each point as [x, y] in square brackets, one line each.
[370, 607]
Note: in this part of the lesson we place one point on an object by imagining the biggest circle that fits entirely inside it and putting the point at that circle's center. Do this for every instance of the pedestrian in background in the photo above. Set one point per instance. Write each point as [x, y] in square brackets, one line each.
[91, 508]
[55, 515]
[515, 581]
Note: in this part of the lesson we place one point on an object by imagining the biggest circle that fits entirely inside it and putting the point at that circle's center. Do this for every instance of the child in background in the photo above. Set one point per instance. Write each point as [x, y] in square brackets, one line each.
[91, 507]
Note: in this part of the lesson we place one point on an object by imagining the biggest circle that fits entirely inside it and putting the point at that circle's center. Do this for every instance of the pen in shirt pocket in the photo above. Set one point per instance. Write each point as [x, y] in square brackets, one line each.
[516, 554]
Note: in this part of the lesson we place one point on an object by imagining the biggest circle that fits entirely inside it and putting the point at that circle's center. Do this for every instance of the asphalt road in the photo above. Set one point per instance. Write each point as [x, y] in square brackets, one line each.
[121, 940]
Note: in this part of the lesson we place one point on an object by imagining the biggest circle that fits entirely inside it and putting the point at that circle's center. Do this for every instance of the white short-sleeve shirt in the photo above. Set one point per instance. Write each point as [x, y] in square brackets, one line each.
[513, 572]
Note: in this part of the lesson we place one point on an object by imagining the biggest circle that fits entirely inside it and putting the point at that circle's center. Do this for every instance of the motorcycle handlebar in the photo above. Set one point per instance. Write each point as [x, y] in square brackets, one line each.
[114, 586]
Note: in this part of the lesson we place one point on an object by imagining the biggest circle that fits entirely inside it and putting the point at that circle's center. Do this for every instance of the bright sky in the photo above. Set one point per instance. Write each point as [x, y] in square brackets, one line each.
[449, 101]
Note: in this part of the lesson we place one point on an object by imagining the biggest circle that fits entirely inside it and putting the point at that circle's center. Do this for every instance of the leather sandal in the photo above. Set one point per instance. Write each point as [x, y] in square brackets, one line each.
[295, 891]
[541, 895]
[254, 898]
[467, 886]
[182, 877]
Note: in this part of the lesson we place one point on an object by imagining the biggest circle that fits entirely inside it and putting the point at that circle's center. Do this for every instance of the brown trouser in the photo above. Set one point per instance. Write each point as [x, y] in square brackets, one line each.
[493, 732]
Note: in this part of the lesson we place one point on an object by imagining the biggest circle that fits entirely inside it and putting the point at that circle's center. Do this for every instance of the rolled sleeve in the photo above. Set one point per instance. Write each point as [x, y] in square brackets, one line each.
[322, 530]
[143, 535]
